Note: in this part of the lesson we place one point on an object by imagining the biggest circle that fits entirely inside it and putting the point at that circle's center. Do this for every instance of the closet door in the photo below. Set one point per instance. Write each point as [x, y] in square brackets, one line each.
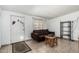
[65, 30]
[17, 29]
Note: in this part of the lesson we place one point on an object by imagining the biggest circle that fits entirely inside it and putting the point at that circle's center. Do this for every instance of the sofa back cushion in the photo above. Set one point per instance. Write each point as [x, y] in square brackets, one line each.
[41, 32]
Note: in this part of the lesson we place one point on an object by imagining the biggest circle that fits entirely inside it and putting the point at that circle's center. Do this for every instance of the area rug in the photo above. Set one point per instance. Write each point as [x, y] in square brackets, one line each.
[20, 47]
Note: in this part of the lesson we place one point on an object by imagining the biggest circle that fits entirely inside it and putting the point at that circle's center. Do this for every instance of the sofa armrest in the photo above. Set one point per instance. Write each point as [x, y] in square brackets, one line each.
[52, 33]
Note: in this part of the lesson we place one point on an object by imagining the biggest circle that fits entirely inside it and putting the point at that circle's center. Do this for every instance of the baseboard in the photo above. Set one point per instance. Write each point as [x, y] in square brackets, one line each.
[3, 44]
[70, 40]
[0, 46]
[75, 40]
[28, 38]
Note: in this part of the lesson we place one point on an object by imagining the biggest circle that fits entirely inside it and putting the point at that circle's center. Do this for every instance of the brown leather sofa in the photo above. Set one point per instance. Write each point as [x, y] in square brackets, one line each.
[39, 35]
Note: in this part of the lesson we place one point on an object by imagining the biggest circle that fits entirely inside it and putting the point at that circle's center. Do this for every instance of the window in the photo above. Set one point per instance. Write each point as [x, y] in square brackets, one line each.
[38, 24]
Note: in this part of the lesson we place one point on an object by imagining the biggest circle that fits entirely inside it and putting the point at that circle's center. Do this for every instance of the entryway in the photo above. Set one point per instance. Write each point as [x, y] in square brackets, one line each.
[65, 30]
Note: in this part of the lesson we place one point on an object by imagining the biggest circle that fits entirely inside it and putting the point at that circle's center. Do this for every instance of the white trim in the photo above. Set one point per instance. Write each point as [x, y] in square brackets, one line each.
[28, 38]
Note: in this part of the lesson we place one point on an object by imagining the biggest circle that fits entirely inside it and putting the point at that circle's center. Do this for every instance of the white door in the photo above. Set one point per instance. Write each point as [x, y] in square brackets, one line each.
[17, 29]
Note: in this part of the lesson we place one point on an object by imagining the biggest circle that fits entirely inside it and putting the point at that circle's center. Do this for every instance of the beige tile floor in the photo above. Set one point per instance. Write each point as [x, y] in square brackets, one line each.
[64, 46]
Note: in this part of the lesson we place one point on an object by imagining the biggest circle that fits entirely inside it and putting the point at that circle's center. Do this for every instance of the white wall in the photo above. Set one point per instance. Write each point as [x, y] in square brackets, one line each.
[54, 24]
[5, 18]
[0, 32]
[28, 26]
[0, 27]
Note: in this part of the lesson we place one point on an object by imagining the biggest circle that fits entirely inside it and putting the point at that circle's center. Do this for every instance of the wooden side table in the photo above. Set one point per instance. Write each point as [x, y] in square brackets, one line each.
[51, 41]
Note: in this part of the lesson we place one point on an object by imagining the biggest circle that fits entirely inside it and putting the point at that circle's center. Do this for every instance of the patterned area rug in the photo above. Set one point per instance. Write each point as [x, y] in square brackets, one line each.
[20, 47]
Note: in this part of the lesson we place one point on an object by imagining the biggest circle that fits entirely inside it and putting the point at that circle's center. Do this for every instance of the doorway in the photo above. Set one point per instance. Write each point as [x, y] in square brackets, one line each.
[65, 30]
[17, 28]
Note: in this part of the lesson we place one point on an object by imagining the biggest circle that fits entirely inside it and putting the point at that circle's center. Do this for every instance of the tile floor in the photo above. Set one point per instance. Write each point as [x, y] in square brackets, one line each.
[64, 46]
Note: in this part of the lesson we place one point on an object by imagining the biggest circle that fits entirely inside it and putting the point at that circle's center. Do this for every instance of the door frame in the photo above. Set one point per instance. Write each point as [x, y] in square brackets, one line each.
[61, 28]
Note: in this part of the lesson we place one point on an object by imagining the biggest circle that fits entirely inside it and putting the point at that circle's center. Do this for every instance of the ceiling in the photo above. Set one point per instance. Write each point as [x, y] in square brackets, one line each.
[47, 11]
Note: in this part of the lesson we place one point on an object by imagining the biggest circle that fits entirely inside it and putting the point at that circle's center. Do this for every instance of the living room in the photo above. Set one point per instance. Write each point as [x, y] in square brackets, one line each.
[38, 28]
